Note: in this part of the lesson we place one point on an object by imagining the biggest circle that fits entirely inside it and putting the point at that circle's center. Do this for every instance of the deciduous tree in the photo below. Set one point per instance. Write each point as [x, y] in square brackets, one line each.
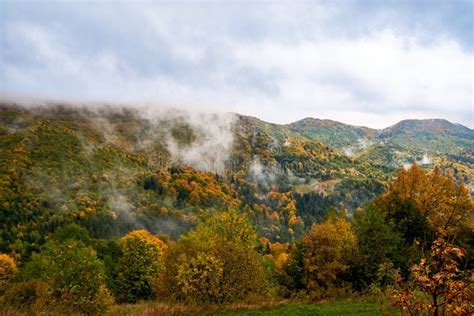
[139, 265]
[8, 270]
[445, 287]
[328, 247]
[73, 273]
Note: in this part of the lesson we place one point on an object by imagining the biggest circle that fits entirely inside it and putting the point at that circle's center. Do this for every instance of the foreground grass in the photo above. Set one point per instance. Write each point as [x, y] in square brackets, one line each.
[267, 308]
[333, 308]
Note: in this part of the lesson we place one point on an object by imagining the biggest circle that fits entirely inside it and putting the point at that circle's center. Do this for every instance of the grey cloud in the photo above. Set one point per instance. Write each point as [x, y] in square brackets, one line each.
[186, 52]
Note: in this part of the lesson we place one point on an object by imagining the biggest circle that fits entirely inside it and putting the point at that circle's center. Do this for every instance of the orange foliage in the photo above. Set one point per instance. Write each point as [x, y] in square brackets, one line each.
[195, 187]
[445, 287]
[8, 269]
[446, 205]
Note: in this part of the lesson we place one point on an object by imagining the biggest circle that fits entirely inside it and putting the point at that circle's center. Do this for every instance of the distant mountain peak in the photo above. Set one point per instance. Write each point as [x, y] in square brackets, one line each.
[433, 125]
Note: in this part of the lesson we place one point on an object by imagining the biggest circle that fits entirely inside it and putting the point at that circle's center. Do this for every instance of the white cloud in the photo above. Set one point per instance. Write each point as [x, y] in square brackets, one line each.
[297, 64]
[381, 74]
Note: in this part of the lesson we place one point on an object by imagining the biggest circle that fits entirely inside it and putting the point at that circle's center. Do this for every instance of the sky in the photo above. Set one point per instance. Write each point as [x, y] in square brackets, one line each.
[370, 63]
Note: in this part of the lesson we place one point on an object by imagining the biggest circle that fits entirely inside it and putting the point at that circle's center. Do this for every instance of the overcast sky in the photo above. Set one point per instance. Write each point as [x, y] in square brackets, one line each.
[368, 63]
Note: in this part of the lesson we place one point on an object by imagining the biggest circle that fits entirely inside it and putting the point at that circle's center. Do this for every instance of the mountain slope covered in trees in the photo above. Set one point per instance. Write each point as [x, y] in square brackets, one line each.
[214, 208]
[121, 169]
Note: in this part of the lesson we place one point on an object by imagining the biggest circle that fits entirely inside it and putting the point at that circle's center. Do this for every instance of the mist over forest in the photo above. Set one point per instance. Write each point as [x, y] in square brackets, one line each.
[236, 158]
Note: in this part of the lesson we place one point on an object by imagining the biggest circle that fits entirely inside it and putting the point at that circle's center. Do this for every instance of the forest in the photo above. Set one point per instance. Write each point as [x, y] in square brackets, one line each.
[103, 209]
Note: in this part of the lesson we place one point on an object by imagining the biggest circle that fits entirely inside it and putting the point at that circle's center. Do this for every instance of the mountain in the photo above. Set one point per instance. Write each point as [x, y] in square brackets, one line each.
[343, 137]
[430, 135]
[434, 135]
[117, 169]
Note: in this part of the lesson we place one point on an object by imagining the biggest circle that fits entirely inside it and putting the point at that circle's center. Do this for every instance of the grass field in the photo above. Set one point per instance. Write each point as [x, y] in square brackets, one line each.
[326, 309]
[275, 308]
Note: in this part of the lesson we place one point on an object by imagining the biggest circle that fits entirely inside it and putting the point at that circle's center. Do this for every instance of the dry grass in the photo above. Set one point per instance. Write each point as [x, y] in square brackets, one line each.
[164, 308]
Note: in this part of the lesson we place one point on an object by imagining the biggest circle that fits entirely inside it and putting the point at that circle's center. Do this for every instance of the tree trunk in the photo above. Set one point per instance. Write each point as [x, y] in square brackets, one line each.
[435, 305]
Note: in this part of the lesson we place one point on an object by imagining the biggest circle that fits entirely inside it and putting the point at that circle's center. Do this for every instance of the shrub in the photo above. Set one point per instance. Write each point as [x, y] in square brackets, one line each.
[244, 274]
[31, 294]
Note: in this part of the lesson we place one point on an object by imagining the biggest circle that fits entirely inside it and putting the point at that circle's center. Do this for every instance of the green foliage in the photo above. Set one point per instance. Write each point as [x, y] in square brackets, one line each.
[74, 275]
[408, 221]
[433, 135]
[336, 308]
[109, 252]
[72, 232]
[139, 266]
[66, 173]
[335, 134]
[199, 277]
[293, 276]
[230, 226]
[378, 244]
[217, 262]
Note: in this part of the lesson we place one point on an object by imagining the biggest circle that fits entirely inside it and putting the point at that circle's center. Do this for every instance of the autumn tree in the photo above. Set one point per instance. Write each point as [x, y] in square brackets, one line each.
[447, 207]
[216, 262]
[328, 248]
[139, 265]
[230, 226]
[8, 270]
[200, 277]
[444, 286]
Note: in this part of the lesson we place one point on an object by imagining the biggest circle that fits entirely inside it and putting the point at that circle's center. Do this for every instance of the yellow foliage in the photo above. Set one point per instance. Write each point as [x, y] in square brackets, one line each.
[8, 269]
[280, 261]
[327, 246]
[217, 262]
[446, 205]
[164, 211]
[139, 265]
[143, 236]
[200, 277]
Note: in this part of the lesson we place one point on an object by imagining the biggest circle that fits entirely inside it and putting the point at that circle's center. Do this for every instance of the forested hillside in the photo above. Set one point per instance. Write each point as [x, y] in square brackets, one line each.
[220, 207]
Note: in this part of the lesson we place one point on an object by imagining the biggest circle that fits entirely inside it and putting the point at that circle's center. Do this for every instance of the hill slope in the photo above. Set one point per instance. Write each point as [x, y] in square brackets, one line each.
[343, 137]
[433, 135]
[116, 169]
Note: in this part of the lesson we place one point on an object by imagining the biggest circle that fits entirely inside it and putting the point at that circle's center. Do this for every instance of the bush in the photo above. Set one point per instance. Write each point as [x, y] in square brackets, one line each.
[31, 294]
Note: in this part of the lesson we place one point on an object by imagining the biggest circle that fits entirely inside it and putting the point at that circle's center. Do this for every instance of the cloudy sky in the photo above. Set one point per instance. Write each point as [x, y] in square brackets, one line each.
[367, 63]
